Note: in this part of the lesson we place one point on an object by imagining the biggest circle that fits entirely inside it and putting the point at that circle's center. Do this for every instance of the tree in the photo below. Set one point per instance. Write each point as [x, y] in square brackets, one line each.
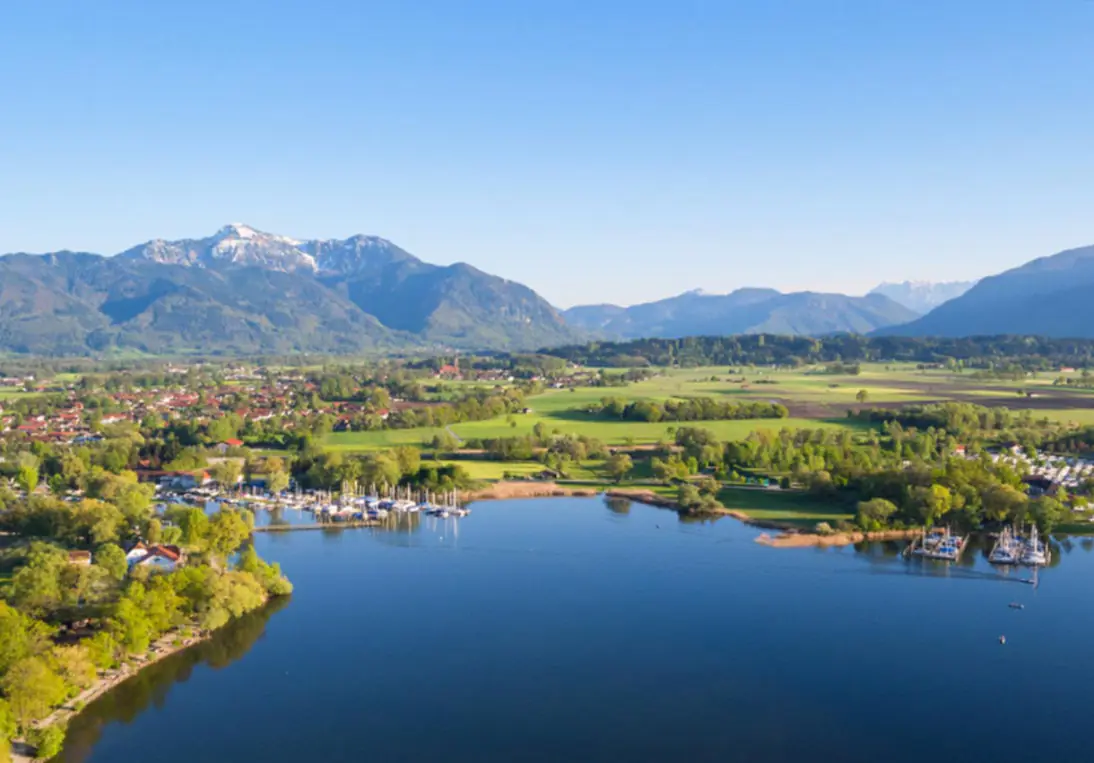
[8, 726]
[20, 636]
[27, 478]
[227, 472]
[277, 481]
[112, 559]
[932, 502]
[47, 741]
[874, 514]
[103, 649]
[194, 524]
[36, 587]
[1001, 502]
[130, 626]
[227, 531]
[445, 442]
[74, 664]
[688, 496]
[32, 688]
[862, 395]
[382, 469]
[154, 532]
[661, 470]
[409, 460]
[1046, 513]
[618, 466]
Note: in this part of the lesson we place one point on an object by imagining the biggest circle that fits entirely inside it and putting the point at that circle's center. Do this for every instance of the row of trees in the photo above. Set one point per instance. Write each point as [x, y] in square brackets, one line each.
[686, 409]
[982, 352]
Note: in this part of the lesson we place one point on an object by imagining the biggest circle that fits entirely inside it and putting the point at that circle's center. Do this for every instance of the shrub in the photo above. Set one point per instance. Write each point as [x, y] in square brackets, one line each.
[47, 741]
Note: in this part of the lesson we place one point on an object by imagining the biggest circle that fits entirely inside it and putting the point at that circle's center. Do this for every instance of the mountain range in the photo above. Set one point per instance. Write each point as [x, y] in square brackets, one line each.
[745, 311]
[243, 291]
[923, 296]
[1049, 296]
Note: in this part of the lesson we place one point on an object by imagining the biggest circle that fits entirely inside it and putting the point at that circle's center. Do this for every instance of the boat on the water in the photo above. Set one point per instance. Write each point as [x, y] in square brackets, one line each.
[1034, 552]
[941, 545]
[1007, 550]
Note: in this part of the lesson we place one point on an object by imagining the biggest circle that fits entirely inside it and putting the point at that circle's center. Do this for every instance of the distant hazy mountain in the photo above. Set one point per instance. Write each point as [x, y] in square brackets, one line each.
[745, 311]
[1050, 296]
[244, 291]
[923, 296]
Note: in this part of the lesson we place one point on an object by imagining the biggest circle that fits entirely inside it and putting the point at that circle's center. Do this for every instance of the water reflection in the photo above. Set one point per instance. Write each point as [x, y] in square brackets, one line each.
[616, 505]
[151, 686]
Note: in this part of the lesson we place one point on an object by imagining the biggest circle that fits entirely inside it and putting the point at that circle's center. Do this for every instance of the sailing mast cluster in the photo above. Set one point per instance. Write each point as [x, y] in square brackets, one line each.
[1012, 548]
[355, 503]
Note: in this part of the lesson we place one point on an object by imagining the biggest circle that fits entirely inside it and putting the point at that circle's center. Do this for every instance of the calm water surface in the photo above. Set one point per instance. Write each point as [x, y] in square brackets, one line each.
[561, 629]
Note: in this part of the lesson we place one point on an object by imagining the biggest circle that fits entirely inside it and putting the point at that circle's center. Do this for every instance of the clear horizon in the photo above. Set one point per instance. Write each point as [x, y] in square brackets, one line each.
[586, 152]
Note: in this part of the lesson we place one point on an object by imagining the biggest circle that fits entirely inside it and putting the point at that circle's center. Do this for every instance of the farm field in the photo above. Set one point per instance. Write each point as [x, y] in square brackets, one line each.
[16, 394]
[813, 399]
[610, 432]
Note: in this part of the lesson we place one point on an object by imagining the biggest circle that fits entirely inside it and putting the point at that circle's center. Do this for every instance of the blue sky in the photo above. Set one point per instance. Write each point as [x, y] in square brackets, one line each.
[594, 150]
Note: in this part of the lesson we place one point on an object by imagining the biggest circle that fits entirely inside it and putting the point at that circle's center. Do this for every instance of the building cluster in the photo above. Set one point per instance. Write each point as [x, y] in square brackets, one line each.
[1047, 474]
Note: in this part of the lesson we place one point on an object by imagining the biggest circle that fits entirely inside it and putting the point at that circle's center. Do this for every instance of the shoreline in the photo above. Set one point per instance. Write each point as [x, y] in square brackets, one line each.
[806, 540]
[789, 536]
[160, 649]
[513, 489]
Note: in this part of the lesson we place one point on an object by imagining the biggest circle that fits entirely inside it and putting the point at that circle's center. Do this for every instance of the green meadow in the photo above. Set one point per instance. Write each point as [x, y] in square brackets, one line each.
[814, 399]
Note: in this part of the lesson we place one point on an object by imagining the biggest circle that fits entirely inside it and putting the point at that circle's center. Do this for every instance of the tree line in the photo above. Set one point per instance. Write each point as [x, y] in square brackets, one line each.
[685, 409]
[985, 352]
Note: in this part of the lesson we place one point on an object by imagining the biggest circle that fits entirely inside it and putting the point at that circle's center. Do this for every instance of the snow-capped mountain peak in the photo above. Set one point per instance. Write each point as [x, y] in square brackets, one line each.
[237, 244]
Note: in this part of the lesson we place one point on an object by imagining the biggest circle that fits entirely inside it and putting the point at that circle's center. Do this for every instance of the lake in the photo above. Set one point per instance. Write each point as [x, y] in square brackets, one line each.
[569, 629]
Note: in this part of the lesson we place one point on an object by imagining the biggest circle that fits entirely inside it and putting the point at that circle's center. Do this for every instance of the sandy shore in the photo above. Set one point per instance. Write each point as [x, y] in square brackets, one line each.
[164, 647]
[803, 540]
[515, 489]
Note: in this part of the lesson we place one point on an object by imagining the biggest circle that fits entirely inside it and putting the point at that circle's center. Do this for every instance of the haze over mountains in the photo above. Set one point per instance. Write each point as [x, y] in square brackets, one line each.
[923, 296]
[1050, 296]
[745, 311]
[242, 291]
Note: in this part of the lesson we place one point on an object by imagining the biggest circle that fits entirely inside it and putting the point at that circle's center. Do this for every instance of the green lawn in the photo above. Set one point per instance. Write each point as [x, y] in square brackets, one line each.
[793, 507]
[1073, 415]
[495, 470]
[610, 432]
[11, 394]
[814, 399]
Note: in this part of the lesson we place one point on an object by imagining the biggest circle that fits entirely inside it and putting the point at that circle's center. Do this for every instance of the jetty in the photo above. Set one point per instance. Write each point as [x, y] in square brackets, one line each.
[318, 526]
[942, 546]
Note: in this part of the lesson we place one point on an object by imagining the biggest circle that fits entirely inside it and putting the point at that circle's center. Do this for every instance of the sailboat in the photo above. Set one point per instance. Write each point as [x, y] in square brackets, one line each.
[1006, 550]
[1034, 553]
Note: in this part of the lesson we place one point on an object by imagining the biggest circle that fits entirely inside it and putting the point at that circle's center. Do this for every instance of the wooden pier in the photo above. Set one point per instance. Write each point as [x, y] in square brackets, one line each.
[318, 526]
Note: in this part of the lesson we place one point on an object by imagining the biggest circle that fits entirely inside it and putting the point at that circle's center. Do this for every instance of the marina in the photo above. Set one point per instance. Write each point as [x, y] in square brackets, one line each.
[348, 508]
[1011, 548]
[941, 545]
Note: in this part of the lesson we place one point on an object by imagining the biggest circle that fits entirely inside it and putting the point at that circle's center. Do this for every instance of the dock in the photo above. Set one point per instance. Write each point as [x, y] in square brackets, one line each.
[318, 526]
